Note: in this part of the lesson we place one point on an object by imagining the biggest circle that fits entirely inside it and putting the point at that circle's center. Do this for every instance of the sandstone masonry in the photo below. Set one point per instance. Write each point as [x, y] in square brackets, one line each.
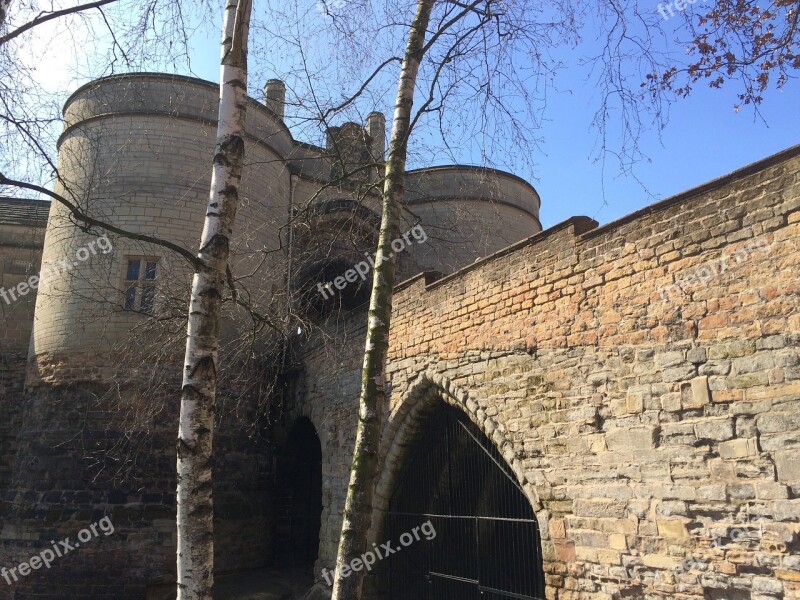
[657, 441]
[641, 379]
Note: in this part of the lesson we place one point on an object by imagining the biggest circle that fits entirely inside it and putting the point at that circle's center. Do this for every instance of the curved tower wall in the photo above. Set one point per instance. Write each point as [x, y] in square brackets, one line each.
[468, 213]
[137, 152]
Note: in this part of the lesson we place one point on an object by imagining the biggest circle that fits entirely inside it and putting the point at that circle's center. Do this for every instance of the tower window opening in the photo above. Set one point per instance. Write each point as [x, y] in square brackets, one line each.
[139, 284]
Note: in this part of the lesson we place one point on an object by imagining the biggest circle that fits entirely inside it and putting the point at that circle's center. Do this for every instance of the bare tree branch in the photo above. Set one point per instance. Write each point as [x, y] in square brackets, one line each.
[46, 16]
[78, 215]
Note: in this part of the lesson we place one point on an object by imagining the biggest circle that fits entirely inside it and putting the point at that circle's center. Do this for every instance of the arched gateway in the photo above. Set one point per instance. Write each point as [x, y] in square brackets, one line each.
[486, 545]
[298, 498]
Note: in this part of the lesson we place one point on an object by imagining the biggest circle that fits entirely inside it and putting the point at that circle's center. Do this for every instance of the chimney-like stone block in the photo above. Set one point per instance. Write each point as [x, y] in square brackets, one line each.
[275, 97]
[376, 128]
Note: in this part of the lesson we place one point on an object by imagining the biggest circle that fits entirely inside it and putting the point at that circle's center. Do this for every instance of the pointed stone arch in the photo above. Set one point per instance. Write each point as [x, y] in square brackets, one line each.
[403, 427]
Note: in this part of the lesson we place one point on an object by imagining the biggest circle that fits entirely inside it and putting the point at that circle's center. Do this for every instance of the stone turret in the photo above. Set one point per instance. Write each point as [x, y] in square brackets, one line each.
[376, 130]
[275, 97]
[350, 149]
[151, 136]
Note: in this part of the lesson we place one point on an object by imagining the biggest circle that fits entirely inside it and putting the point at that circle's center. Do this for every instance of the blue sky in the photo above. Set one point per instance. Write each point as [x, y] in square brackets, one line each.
[704, 139]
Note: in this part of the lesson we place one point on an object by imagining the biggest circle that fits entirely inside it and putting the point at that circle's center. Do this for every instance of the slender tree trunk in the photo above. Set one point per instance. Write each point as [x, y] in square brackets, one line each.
[4, 4]
[358, 506]
[198, 395]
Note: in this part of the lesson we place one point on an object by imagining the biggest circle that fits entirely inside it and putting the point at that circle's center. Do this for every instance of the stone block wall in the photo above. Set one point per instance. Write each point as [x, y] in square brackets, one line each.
[20, 257]
[78, 459]
[642, 379]
[12, 383]
[326, 391]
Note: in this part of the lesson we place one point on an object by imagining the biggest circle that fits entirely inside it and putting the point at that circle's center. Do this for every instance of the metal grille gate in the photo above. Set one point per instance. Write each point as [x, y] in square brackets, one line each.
[487, 543]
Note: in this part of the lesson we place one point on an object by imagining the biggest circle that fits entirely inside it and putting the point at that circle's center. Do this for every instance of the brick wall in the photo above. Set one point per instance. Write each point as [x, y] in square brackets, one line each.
[654, 428]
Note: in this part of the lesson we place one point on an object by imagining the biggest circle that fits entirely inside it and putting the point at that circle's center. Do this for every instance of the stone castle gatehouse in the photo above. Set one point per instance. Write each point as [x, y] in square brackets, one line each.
[582, 412]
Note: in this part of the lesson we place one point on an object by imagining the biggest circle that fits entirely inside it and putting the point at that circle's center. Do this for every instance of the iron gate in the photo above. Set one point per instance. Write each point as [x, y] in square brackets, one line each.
[487, 544]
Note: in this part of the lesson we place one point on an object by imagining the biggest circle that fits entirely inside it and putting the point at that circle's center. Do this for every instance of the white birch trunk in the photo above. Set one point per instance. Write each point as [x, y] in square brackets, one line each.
[198, 394]
[358, 505]
[4, 4]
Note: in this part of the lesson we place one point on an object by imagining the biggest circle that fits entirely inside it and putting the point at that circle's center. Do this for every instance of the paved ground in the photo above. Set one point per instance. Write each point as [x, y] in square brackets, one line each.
[261, 584]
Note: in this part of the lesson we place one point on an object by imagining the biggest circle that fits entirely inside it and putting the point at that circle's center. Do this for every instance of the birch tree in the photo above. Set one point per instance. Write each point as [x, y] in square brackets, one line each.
[358, 506]
[196, 427]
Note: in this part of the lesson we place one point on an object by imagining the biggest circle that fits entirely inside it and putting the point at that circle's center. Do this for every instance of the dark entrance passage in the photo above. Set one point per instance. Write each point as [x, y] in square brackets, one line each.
[298, 498]
[487, 543]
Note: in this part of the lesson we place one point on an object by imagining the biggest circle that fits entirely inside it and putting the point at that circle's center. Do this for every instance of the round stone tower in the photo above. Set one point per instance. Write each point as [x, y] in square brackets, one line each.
[468, 213]
[103, 383]
[136, 152]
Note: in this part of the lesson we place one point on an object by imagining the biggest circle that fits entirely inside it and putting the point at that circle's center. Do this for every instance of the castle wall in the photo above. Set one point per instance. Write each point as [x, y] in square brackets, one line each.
[12, 383]
[326, 392]
[654, 428]
[20, 256]
[71, 471]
